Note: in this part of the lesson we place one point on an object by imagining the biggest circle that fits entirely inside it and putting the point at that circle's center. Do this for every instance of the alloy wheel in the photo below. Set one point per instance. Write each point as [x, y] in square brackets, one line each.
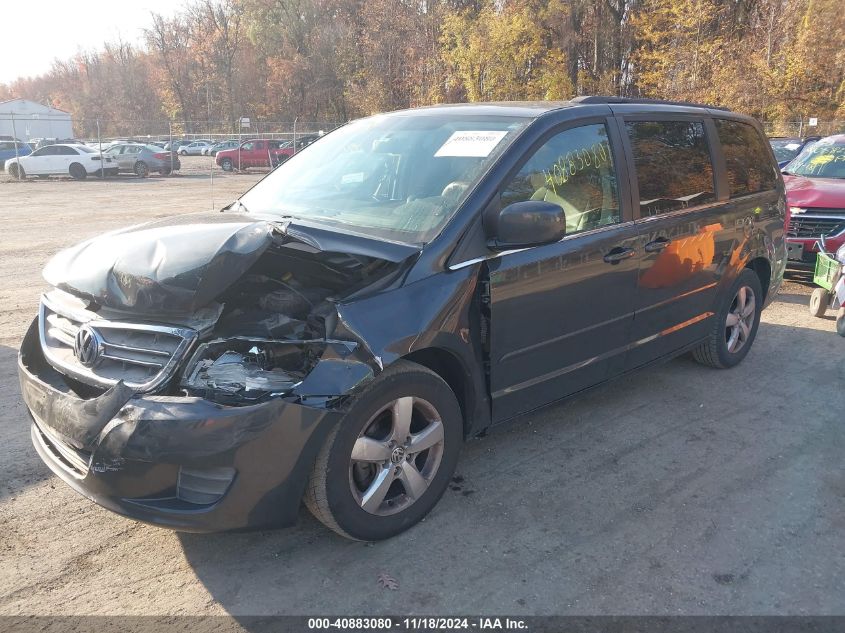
[396, 456]
[141, 169]
[740, 319]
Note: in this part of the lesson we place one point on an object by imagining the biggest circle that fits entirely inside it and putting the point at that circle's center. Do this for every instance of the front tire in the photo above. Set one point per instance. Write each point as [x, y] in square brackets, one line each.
[227, 164]
[391, 457]
[17, 171]
[819, 300]
[735, 325]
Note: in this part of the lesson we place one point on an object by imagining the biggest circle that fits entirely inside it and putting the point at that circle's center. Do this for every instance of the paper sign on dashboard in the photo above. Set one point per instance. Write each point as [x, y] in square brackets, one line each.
[471, 144]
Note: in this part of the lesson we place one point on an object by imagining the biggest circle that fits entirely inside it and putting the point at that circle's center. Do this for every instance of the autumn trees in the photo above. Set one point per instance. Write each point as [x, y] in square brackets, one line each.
[775, 59]
[331, 60]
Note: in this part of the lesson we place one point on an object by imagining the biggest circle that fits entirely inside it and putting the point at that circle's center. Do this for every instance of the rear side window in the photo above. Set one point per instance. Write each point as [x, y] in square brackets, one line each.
[673, 165]
[750, 168]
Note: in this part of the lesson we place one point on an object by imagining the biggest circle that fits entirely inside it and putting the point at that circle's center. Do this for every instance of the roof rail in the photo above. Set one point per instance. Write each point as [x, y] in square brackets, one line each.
[587, 99]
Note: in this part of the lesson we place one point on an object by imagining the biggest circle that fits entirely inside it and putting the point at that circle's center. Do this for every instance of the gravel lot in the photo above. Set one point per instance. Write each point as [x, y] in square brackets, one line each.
[679, 490]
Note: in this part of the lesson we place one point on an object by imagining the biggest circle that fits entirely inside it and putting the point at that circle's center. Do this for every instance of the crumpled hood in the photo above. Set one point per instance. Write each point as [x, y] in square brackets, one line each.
[171, 266]
[826, 193]
[175, 266]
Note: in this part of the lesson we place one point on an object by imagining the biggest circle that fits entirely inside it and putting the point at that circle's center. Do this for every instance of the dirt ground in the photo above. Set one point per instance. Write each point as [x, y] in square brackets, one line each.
[680, 490]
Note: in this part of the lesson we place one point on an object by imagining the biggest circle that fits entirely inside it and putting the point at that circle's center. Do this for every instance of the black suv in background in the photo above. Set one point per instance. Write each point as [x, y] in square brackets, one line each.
[405, 282]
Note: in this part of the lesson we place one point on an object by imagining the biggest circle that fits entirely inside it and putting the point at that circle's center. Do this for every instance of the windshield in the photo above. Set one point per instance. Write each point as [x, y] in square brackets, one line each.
[785, 149]
[822, 160]
[395, 177]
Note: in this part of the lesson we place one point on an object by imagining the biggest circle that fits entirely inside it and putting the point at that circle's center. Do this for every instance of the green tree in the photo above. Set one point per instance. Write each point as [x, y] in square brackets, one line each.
[499, 54]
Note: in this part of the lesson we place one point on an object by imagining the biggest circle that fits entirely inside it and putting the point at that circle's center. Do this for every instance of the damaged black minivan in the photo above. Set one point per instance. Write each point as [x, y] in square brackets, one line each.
[404, 283]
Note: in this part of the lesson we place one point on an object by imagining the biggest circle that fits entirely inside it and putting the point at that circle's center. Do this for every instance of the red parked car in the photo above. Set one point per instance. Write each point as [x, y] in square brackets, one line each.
[815, 194]
[252, 153]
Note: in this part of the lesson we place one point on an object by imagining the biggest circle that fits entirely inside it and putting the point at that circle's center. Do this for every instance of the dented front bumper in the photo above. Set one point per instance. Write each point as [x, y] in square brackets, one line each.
[179, 462]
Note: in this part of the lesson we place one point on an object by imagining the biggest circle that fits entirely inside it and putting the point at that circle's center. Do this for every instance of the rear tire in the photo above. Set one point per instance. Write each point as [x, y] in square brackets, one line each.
[840, 322]
[735, 324]
[77, 172]
[141, 169]
[819, 300]
[390, 458]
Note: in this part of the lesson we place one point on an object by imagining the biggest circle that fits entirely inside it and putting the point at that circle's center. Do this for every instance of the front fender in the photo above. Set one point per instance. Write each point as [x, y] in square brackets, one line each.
[439, 312]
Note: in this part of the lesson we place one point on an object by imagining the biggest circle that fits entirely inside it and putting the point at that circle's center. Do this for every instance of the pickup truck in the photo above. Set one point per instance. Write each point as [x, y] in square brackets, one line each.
[252, 153]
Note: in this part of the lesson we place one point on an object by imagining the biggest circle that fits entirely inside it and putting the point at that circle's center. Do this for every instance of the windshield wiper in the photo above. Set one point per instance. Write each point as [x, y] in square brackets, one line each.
[232, 204]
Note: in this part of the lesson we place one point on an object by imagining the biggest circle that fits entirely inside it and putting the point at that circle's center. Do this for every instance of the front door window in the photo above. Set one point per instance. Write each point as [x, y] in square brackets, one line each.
[574, 169]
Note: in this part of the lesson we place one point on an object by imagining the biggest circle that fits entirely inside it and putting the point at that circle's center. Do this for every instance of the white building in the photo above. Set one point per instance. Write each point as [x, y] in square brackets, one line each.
[27, 120]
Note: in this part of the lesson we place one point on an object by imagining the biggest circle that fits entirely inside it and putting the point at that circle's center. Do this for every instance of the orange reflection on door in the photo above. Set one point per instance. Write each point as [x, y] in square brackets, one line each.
[682, 259]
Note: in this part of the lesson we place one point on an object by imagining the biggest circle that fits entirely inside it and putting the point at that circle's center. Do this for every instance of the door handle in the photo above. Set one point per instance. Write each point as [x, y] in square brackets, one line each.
[657, 245]
[617, 254]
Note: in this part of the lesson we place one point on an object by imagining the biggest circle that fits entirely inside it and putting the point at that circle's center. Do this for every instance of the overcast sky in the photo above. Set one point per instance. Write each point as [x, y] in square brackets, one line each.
[35, 32]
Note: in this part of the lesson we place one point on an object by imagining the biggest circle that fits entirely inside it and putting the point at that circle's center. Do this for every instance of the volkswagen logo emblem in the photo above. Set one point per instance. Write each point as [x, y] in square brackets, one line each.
[398, 455]
[87, 346]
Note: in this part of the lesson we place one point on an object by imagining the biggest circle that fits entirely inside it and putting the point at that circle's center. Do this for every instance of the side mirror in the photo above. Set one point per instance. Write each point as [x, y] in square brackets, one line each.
[529, 223]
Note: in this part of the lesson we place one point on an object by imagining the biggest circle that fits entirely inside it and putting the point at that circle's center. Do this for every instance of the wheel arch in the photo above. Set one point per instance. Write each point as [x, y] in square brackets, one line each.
[763, 269]
[451, 369]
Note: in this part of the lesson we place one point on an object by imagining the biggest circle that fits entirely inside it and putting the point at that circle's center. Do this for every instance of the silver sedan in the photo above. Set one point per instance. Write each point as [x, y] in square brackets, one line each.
[140, 159]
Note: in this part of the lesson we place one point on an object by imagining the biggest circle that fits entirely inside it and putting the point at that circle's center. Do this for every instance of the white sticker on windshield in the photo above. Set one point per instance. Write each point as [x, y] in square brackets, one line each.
[792, 145]
[350, 178]
[469, 143]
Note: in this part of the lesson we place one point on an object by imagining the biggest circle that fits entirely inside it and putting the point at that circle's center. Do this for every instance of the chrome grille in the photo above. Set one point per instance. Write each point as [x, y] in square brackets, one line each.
[808, 226]
[142, 355]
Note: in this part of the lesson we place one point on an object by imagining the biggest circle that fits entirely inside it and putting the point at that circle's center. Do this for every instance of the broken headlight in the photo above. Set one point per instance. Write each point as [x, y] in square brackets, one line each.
[241, 370]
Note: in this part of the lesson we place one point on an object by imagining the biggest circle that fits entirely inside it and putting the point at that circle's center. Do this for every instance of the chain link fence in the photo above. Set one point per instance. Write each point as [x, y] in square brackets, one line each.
[96, 130]
[215, 131]
[802, 128]
[105, 130]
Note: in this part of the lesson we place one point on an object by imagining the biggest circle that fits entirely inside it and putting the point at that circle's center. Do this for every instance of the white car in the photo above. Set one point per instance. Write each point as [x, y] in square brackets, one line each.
[77, 161]
[194, 149]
